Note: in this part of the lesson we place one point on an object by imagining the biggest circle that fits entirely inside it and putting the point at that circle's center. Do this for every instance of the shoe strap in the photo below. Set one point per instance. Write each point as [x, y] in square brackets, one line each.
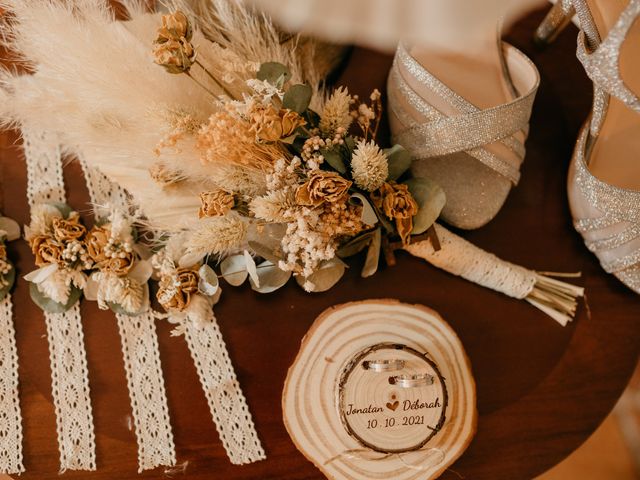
[471, 129]
[611, 207]
[603, 64]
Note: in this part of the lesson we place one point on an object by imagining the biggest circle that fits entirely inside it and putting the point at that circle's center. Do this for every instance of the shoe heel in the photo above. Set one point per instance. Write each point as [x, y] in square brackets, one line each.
[556, 20]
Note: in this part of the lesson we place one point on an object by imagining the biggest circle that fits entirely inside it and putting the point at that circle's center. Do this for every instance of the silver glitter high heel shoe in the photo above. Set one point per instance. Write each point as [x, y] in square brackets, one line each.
[472, 151]
[604, 177]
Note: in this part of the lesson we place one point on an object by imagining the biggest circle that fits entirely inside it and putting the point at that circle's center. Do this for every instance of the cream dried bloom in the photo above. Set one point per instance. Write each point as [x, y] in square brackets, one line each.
[369, 166]
[277, 206]
[217, 235]
[336, 112]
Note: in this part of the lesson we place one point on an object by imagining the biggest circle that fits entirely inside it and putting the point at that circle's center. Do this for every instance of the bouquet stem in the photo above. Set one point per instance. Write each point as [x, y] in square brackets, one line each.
[460, 257]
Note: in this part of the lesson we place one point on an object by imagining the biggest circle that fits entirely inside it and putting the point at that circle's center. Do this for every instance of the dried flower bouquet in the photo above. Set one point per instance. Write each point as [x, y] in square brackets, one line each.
[239, 161]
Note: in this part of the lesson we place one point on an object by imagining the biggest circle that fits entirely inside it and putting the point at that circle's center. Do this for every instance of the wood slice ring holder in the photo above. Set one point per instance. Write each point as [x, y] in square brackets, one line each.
[380, 389]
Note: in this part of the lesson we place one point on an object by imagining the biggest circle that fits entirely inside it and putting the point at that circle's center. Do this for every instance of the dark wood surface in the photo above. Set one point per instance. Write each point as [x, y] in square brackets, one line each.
[542, 389]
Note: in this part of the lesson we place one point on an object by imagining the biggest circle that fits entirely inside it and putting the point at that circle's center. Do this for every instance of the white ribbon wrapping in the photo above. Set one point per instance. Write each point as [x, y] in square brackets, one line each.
[141, 357]
[226, 401]
[69, 376]
[10, 416]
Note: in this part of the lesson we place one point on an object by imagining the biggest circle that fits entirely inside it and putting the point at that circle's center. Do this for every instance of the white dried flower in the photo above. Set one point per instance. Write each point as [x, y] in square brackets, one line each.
[56, 286]
[123, 291]
[369, 166]
[216, 235]
[42, 216]
[237, 179]
[278, 206]
[335, 113]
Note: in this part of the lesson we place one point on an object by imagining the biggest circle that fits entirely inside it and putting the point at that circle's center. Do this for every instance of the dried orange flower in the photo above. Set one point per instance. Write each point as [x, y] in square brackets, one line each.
[398, 204]
[96, 241]
[271, 125]
[119, 265]
[175, 291]
[65, 230]
[174, 26]
[176, 56]
[215, 203]
[322, 187]
[45, 250]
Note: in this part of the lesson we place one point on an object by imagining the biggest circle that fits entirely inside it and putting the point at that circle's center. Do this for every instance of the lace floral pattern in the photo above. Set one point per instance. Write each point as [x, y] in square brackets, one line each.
[69, 376]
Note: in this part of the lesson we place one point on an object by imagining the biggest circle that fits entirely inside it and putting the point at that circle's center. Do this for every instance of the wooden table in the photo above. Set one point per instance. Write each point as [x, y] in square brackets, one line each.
[542, 389]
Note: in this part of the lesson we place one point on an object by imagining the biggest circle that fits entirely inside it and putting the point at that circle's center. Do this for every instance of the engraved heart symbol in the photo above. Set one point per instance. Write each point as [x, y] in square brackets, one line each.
[393, 406]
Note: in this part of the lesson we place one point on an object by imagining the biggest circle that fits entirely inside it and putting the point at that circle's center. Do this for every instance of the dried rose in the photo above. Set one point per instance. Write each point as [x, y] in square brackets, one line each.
[96, 240]
[176, 56]
[266, 122]
[272, 125]
[174, 26]
[65, 230]
[46, 250]
[290, 121]
[398, 204]
[322, 187]
[215, 203]
[119, 265]
[178, 297]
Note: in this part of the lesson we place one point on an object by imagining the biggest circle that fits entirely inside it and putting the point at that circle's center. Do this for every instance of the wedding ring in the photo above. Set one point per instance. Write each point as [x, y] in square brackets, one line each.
[412, 381]
[383, 365]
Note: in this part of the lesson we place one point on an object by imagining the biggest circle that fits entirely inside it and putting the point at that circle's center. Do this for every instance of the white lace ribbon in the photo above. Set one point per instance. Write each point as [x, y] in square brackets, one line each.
[146, 391]
[141, 357]
[69, 376]
[217, 376]
[10, 416]
[226, 401]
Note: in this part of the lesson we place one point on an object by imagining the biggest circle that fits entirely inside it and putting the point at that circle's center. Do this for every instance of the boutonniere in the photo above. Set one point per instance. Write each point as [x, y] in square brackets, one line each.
[188, 287]
[9, 231]
[121, 265]
[58, 242]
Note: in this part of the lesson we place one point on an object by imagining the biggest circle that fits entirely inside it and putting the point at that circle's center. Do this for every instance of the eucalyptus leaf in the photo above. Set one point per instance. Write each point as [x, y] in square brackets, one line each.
[141, 271]
[399, 161]
[369, 216]
[271, 278]
[10, 278]
[234, 270]
[373, 255]
[355, 245]
[208, 283]
[266, 252]
[11, 227]
[329, 273]
[297, 98]
[334, 159]
[430, 198]
[273, 72]
[48, 305]
[312, 118]
[190, 259]
[63, 208]
[290, 139]
[350, 143]
[251, 268]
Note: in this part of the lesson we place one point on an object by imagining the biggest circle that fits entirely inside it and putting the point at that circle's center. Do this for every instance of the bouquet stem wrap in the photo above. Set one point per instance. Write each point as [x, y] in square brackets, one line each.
[460, 257]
